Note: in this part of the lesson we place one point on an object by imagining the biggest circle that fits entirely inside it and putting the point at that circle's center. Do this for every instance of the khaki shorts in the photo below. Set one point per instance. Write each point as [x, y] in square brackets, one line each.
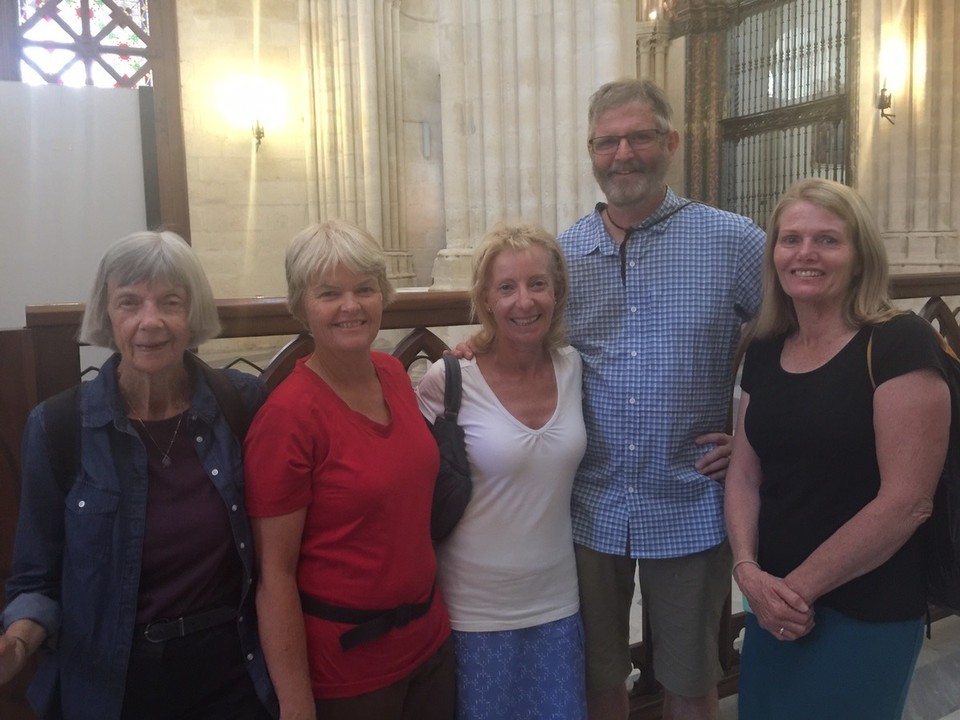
[684, 597]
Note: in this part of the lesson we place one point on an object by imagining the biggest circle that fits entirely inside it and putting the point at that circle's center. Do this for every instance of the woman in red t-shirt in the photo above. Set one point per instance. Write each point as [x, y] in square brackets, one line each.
[340, 469]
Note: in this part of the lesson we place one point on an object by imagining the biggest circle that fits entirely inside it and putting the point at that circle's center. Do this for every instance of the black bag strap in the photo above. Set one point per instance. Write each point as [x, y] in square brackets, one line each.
[62, 414]
[451, 389]
[228, 398]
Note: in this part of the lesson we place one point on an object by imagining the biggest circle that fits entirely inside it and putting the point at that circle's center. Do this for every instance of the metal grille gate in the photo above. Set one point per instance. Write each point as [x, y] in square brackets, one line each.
[787, 101]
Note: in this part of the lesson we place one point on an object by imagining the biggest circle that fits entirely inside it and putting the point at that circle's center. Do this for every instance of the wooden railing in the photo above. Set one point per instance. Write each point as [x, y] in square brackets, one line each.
[43, 358]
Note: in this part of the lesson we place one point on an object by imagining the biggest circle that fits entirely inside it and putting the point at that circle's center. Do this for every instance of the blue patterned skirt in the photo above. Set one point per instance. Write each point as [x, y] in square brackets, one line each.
[536, 673]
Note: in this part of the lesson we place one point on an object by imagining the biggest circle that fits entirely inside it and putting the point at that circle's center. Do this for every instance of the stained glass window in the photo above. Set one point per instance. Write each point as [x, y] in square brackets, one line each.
[105, 43]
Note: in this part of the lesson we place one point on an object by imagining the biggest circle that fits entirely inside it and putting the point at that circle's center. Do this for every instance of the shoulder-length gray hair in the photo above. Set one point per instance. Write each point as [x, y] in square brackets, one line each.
[147, 257]
[505, 236]
[318, 249]
[867, 299]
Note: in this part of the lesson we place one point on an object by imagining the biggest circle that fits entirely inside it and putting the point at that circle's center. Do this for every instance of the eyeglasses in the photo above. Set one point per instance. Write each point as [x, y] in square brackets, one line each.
[639, 140]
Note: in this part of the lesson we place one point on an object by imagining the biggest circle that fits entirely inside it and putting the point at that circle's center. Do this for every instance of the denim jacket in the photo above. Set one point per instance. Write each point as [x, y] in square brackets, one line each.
[76, 564]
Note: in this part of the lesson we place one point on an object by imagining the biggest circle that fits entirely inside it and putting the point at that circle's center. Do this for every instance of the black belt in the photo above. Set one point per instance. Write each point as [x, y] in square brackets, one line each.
[163, 630]
[371, 624]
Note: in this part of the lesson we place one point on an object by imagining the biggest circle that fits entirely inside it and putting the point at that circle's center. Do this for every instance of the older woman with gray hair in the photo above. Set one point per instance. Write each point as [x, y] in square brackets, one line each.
[133, 561]
[340, 475]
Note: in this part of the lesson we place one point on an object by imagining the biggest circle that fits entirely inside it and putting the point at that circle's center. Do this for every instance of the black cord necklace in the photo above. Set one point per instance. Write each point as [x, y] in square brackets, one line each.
[613, 222]
[628, 231]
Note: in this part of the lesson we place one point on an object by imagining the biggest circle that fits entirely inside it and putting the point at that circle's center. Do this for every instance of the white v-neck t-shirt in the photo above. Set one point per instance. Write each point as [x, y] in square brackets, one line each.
[509, 563]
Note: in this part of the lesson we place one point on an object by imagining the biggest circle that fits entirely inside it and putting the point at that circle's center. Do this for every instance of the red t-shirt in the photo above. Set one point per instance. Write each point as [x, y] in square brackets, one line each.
[366, 542]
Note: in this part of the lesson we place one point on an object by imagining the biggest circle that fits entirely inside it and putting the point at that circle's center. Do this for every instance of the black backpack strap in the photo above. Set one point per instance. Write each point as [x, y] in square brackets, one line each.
[62, 415]
[451, 388]
[228, 398]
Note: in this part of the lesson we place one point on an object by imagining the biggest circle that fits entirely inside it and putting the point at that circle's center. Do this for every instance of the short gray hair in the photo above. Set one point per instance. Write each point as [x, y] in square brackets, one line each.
[318, 249]
[630, 90]
[149, 256]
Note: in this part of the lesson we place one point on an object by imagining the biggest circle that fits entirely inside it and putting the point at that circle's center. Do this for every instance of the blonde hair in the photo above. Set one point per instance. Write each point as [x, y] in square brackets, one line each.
[149, 256]
[517, 237]
[318, 249]
[867, 299]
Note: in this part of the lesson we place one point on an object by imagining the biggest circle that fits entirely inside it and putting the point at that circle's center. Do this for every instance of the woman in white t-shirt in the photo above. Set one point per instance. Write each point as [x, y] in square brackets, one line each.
[507, 571]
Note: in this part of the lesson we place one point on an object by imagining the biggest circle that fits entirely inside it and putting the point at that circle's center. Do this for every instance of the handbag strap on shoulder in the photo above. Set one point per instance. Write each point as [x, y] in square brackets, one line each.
[451, 388]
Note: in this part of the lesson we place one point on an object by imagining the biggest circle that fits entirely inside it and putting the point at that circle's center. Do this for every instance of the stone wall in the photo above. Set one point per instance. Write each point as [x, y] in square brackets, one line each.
[245, 204]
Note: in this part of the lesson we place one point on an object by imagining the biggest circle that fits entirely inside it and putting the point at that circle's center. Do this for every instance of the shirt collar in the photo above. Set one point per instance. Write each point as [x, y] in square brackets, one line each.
[671, 203]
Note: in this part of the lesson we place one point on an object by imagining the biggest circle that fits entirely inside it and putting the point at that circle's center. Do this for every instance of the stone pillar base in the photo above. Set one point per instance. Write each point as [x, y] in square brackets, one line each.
[400, 268]
[452, 269]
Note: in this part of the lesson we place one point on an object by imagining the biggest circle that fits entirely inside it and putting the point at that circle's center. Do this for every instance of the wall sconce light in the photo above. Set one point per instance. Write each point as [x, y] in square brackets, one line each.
[247, 104]
[884, 101]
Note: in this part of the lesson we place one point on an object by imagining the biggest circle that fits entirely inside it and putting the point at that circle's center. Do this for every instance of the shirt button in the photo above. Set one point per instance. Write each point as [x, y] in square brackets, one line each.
[629, 489]
[633, 353]
[233, 507]
[240, 619]
[632, 264]
[632, 446]
[249, 656]
[199, 439]
[632, 401]
[633, 308]
[82, 503]
[214, 472]
[242, 545]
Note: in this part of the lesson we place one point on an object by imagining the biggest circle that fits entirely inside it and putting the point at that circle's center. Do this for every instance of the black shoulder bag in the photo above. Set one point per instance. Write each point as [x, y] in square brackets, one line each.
[452, 491]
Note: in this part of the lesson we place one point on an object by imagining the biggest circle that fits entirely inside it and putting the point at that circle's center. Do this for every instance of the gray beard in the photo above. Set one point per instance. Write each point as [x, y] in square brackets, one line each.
[638, 190]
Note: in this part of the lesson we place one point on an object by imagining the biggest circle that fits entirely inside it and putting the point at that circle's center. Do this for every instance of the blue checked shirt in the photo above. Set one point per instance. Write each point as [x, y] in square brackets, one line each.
[657, 330]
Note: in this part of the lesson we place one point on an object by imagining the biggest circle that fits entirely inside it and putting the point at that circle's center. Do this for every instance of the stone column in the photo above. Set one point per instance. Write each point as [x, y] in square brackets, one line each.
[515, 80]
[355, 157]
[907, 169]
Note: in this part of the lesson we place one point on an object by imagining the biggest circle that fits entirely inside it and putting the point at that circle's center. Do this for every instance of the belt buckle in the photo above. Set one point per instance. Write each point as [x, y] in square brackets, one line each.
[149, 628]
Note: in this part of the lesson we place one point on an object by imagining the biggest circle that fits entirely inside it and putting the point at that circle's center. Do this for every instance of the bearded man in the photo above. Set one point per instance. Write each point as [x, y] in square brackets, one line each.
[659, 289]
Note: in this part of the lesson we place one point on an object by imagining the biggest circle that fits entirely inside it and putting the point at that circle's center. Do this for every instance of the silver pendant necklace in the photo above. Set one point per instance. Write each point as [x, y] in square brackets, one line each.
[165, 459]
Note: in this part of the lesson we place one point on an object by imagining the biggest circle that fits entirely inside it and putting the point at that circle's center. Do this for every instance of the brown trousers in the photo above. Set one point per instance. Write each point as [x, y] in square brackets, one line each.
[428, 693]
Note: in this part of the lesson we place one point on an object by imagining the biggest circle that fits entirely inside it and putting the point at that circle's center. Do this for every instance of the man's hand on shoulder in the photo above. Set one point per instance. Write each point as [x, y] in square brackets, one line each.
[463, 351]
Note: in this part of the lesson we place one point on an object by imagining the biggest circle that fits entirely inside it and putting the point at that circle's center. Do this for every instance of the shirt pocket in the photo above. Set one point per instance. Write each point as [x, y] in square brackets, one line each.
[89, 523]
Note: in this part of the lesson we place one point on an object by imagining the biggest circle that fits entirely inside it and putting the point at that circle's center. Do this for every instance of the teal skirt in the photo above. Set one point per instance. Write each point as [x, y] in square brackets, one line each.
[843, 669]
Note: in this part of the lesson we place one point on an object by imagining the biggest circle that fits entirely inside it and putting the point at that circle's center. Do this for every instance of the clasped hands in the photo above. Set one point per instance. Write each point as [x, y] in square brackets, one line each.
[779, 609]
